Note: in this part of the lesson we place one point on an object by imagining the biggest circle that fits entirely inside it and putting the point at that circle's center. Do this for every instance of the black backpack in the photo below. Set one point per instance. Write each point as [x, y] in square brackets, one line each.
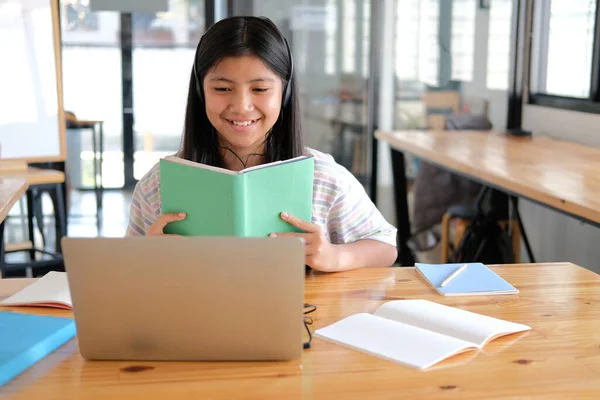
[484, 241]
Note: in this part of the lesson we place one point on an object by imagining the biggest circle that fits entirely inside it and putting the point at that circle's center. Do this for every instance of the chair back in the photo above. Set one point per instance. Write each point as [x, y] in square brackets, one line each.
[439, 104]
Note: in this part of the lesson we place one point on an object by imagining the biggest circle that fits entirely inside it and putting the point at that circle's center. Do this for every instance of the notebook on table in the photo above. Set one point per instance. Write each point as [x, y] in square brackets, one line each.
[25, 339]
[417, 333]
[476, 279]
[51, 290]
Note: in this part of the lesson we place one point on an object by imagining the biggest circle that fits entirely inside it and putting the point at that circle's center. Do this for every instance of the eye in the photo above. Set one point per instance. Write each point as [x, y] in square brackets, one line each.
[261, 90]
[221, 89]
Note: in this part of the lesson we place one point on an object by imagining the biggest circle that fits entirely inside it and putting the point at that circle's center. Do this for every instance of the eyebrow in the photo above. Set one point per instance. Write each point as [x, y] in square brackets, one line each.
[222, 79]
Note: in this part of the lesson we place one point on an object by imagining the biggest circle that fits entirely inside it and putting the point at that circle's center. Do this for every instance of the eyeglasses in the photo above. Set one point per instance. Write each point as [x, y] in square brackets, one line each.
[308, 308]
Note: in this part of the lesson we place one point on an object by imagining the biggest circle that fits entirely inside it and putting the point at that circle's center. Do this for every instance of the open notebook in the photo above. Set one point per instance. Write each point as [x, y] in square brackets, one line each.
[51, 290]
[475, 280]
[417, 333]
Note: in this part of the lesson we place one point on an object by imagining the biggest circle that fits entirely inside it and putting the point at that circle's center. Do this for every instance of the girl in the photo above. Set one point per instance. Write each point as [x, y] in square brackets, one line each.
[242, 111]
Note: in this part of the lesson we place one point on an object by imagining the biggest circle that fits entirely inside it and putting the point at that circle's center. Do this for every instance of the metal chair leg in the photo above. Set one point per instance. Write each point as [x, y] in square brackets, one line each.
[60, 224]
[30, 213]
[522, 229]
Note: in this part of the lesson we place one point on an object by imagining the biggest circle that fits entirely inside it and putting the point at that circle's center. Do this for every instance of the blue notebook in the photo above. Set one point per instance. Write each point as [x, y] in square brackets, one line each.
[476, 279]
[25, 339]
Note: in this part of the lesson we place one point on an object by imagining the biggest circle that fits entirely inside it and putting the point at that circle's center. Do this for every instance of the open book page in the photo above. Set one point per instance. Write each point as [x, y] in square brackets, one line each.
[227, 171]
[464, 325]
[274, 163]
[183, 161]
[394, 341]
[52, 290]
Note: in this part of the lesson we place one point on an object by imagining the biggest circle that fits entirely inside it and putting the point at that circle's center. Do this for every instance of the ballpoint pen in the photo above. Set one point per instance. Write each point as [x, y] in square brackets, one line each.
[453, 275]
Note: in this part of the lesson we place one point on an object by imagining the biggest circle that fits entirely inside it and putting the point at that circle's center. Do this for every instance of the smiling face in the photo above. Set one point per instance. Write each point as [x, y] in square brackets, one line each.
[243, 101]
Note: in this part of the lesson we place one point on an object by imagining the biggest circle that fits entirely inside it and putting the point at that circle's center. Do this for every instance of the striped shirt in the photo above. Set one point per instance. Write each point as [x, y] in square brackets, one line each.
[341, 207]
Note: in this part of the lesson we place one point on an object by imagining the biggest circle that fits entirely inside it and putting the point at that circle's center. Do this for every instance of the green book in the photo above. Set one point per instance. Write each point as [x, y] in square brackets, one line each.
[246, 203]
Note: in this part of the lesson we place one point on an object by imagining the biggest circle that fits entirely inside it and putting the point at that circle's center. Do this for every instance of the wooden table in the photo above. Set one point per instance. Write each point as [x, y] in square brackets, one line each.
[11, 190]
[37, 176]
[49, 179]
[560, 175]
[558, 359]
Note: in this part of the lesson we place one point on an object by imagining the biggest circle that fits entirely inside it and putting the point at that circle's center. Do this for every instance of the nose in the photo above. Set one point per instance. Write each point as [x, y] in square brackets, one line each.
[241, 102]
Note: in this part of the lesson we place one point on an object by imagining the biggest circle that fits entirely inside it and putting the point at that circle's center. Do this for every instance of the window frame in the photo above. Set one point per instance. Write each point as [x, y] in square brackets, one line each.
[591, 104]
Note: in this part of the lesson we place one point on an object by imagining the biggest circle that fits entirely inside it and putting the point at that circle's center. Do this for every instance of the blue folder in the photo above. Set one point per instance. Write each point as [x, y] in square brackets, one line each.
[25, 339]
[476, 279]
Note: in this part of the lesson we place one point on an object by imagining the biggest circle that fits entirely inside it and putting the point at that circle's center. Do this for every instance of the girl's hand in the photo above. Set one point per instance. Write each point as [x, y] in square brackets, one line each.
[320, 254]
[156, 229]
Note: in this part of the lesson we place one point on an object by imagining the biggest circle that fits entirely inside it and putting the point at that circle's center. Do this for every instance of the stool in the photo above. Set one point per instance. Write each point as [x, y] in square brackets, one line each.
[464, 214]
[40, 181]
[97, 130]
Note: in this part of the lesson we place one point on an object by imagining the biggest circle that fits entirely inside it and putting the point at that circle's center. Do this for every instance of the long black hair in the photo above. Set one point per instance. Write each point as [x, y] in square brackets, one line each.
[235, 37]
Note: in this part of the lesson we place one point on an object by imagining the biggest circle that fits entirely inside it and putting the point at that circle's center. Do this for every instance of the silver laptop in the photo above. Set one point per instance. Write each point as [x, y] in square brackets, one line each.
[187, 298]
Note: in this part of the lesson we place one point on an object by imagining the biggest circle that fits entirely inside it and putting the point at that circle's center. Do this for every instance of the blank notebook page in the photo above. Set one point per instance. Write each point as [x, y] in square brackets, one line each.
[461, 324]
[392, 340]
[52, 288]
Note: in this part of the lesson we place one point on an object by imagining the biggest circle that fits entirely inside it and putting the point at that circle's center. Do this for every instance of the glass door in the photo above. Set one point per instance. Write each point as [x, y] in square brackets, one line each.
[330, 42]
[162, 49]
[164, 45]
[451, 57]
[91, 61]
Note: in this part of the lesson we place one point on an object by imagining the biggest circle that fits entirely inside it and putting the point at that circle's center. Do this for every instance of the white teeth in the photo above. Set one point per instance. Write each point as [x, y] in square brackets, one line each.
[243, 123]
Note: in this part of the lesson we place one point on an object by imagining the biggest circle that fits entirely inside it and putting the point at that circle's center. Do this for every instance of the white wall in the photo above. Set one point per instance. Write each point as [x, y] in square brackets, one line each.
[553, 236]
[572, 126]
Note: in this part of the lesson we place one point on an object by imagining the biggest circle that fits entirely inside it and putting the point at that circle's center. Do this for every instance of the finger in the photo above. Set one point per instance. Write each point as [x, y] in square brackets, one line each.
[157, 227]
[299, 223]
[303, 236]
[170, 217]
[163, 234]
[282, 234]
[308, 238]
[312, 262]
[164, 219]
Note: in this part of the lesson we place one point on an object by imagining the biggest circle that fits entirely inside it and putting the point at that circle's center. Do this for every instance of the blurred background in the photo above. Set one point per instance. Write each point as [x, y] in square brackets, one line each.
[361, 65]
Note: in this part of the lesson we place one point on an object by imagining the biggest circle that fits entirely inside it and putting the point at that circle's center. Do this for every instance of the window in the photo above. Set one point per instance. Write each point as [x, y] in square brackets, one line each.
[463, 39]
[356, 36]
[416, 43]
[79, 17]
[429, 46]
[91, 63]
[349, 35]
[407, 40]
[499, 40]
[163, 45]
[366, 27]
[330, 36]
[564, 56]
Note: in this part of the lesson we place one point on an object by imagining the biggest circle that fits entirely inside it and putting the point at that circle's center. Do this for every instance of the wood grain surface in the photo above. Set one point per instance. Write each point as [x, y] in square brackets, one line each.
[558, 359]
